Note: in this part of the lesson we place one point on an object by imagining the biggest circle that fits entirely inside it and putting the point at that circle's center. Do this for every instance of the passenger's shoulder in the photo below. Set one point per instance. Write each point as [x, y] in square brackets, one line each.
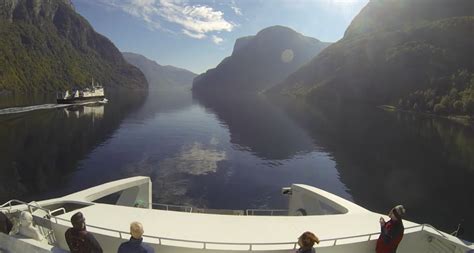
[148, 248]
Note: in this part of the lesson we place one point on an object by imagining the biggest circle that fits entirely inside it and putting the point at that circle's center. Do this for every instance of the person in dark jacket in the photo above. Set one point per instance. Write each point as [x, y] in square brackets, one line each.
[135, 244]
[5, 224]
[391, 232]
[306, 242]
[78, 239]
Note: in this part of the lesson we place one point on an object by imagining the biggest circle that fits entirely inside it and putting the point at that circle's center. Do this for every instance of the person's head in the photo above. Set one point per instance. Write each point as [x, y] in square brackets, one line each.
[26, 218]
[397, 213]
[307, 240]
[78, 221]
[136, 230]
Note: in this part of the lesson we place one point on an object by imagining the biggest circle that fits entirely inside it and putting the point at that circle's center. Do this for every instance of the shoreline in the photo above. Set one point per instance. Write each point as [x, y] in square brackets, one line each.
[462, 119]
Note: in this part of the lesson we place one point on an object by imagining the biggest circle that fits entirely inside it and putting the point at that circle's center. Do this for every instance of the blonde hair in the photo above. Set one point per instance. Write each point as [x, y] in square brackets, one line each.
[136, 230]
[308, 239]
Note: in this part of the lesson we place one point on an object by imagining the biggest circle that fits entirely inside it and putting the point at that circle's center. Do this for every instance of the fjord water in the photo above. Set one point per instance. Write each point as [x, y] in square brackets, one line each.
[238, 153]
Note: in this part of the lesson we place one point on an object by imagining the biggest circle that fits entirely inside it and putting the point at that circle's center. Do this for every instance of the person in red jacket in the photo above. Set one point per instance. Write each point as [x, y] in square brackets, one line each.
[391, 232]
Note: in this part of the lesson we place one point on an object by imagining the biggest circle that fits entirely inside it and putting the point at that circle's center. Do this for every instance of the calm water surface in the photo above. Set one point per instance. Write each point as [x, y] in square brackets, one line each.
[237, 154]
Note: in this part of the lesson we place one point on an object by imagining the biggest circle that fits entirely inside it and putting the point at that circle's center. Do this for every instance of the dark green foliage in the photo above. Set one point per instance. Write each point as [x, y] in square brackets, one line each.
[453, 95]
[56, 48]
[413, 54]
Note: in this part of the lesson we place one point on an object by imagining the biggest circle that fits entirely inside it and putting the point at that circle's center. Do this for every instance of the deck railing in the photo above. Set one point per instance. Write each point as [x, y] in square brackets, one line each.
[207, 244]
[29, 206]
[167, 207]
[270, 212]
[248, 212]
[252, 246]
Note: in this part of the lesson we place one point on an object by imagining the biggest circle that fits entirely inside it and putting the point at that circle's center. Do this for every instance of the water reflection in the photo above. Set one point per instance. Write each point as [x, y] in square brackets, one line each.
[40, 149]
[94, 111]
[257, 125]
[387, 158]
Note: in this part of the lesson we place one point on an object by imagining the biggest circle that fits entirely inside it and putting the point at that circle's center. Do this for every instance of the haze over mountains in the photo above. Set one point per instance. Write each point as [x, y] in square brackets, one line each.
[417, 55]
[159, 76]
[260, 61]
[46, 46]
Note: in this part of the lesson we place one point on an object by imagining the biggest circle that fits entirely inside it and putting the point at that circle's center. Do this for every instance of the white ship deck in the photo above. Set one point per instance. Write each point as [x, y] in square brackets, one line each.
[226, 228]
[341, 225]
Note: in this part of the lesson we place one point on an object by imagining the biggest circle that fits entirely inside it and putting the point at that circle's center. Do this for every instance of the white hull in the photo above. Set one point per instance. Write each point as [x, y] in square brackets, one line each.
[341, 225]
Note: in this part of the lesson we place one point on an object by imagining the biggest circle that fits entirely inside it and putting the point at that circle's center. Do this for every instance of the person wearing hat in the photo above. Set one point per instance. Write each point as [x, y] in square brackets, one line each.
[135, 244]
[79, 239]
[306, 242]
[391, 232]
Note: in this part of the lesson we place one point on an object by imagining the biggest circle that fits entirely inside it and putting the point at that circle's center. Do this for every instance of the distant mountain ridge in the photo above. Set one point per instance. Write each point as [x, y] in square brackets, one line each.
[416, 55]
[258, 62]
[46, 46]
[160, 76]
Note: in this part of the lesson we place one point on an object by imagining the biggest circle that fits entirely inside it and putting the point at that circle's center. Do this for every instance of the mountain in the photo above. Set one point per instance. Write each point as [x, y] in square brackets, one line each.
[257, 62]
[158, 76]
[46, 46]
[416, 55]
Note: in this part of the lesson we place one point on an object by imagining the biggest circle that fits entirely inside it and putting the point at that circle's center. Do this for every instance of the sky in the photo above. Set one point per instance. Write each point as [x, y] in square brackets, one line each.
[198, 34]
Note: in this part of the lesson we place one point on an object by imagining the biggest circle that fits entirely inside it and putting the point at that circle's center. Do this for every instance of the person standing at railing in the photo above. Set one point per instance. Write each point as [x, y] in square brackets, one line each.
[306, 242]
[27, 228]
[79, 239]
[135, 244]
[391, 231]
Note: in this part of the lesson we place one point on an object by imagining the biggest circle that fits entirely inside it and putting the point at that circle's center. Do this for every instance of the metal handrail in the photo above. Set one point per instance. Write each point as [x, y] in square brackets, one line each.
[190, 209]
[436, 230]
[9, 204]
[204, 243]
[371, 234]
[160, 239]
[250, 245]
[57, 210]
[167, 206]
[250, 212]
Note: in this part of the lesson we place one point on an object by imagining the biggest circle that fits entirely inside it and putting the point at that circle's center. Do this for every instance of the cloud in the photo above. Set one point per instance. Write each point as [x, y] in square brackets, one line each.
[236, 9]
[194, 35]
[217, 40]
[196, 159]
[196, 21]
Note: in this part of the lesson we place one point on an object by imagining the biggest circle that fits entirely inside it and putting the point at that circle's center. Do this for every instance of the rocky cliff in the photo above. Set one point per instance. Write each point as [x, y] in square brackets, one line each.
[45, 46]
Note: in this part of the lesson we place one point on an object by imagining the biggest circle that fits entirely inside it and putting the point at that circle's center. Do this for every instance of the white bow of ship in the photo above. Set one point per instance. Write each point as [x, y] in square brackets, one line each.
[341, 225]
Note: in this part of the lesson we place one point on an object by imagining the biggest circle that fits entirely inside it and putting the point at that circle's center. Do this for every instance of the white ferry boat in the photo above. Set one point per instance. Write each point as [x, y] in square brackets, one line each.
[341, 225]
[94, 93]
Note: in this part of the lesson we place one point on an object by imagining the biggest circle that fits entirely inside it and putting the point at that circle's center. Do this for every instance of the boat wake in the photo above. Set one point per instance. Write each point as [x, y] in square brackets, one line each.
[23, 109]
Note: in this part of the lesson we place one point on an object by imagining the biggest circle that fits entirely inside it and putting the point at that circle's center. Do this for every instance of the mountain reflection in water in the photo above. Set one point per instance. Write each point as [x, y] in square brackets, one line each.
[386, 158]
[238, 153]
